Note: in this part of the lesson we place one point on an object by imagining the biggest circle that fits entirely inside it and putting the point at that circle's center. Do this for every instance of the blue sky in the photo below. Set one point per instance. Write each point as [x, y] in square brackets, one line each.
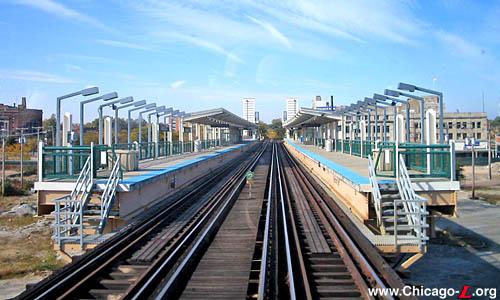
[200, 54]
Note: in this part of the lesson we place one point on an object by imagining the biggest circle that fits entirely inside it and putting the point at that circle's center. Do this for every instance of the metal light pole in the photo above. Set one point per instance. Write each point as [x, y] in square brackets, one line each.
[394, 100]
[84, 92]
[140, 120]
[422, 108]
[134, 104]
[105, 97]
[147, 106]
[488, 129]
[3, 160]
[21, 141]
[158, 110]
[412, 88]
[119, 101]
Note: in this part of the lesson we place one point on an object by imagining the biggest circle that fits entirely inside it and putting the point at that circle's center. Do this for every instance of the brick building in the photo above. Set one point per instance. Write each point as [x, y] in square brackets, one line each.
[20, 116]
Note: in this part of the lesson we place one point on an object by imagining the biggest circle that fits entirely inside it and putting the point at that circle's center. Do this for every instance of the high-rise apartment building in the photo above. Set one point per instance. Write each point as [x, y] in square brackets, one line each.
[292, 107]
[249, 109]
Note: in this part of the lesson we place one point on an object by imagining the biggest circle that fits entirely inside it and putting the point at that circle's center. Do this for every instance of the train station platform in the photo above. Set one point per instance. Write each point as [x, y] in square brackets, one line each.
[153, 180]
[348, 178]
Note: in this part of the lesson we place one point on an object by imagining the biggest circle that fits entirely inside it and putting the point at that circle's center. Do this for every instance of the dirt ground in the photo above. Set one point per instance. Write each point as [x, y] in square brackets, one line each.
[488, 190]
[26, 252]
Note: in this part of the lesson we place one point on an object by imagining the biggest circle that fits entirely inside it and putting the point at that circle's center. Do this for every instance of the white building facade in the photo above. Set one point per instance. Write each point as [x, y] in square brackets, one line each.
[249, 109]
[292, 107]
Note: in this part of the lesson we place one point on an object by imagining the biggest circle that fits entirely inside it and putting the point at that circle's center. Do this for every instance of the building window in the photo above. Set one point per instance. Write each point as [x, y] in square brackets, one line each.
[478, 135]
[473, 125]
[450, 124]
[464, 125]
[478, 125]
[450, 136]
[459, 136]
[458, 125]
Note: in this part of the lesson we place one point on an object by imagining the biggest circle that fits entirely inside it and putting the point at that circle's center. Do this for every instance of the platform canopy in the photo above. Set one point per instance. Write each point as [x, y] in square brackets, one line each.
[219, 117]
[308, 117]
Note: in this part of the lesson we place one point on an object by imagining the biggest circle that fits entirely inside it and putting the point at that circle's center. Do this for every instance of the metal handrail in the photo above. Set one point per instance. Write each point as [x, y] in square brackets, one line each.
[415, 209]
[376, 196]
[109, 194]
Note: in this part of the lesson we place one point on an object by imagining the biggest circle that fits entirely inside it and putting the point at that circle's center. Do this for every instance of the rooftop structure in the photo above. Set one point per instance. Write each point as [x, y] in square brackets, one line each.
[20, 116]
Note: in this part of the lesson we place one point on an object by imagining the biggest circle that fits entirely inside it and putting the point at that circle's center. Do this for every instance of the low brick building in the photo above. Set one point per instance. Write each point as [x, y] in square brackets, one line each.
[20, 116]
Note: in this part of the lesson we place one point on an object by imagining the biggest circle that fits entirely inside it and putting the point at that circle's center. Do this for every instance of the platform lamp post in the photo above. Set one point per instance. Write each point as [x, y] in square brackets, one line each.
[112, 103]
[393, 93]
[85, 92]
[133, 104]
[139, 107]
[150, 124]
[140, 119]
[105, 97]
[169, 139]
[384, 107]
[412, 88]
[372, 103]
[363, 104]
[394, 101]
[158, 115]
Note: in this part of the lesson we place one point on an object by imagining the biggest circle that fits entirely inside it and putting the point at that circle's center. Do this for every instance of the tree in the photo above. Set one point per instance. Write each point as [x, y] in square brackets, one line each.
[277, 127]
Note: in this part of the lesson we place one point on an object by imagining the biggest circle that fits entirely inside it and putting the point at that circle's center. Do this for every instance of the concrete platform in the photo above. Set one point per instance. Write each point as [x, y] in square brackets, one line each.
[154, 180]
[347, 176]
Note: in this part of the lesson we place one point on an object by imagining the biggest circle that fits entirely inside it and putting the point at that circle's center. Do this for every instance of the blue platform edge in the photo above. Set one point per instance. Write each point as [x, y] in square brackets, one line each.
[152, 174]
[341, 170]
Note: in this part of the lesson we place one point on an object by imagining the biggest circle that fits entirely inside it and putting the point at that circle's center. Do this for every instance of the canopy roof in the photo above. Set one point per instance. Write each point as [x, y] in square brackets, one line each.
[219, 117]
[308, 117]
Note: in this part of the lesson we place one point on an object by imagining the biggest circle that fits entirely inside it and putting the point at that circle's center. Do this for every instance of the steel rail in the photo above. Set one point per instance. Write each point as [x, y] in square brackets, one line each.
[364, 249]
[166, 289]
[342, 249]
[265, 246]
[291, 275]
[128, 238]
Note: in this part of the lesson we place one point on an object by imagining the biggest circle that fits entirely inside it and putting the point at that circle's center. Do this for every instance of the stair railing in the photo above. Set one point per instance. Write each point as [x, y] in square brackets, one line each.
[414, 207]
[109, 194]
[376, 196]
[69, 209]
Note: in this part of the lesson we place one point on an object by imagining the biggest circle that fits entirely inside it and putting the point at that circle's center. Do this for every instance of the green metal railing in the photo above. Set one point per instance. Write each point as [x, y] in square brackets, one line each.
[146, 150]
[432, 161]
[63, 162]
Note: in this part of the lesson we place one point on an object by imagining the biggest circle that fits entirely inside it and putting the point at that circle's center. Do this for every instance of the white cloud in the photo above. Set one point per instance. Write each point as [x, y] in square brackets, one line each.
[72, 68]
[35, 76]
[59, 10]
[121, 44]
[177, 84]
[275, 33]
[458, 45]
[202, 43]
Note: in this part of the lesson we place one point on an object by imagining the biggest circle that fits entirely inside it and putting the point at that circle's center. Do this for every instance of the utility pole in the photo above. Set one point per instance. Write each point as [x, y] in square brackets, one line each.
[3, 162]
[21, 141]
[489, 148]
[473, 172]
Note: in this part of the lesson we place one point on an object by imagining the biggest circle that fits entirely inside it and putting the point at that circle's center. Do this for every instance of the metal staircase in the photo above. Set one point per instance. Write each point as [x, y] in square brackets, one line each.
[109, 194]
[69, 209]
[401, 213]
[82, 216]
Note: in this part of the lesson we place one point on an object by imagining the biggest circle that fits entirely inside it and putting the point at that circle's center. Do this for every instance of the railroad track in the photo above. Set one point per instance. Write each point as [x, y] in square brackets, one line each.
[282, 237]
[131, 264]
[325, 258]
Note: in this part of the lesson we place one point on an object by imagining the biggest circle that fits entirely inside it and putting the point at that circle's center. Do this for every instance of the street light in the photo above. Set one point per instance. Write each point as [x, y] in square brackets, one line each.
[394, 101]
[151, 105]
[134, 104]
[140, 119]
[422, 108]
[377, 102]
[85, 92]
[112, 103]
[413, 88]
[105, 97]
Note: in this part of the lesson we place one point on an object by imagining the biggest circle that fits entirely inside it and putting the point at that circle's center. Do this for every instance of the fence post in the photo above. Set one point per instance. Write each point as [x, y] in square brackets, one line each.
[452, 160]
[40, 161]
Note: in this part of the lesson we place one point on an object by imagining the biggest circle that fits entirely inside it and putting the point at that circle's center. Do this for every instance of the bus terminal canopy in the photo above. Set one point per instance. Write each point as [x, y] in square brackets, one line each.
[307, 117]
[219, 117]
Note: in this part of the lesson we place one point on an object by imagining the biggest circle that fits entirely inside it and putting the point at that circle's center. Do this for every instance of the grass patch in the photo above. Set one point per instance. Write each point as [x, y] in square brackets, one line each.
[7, 202]
[33, 254]
[16, 221]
